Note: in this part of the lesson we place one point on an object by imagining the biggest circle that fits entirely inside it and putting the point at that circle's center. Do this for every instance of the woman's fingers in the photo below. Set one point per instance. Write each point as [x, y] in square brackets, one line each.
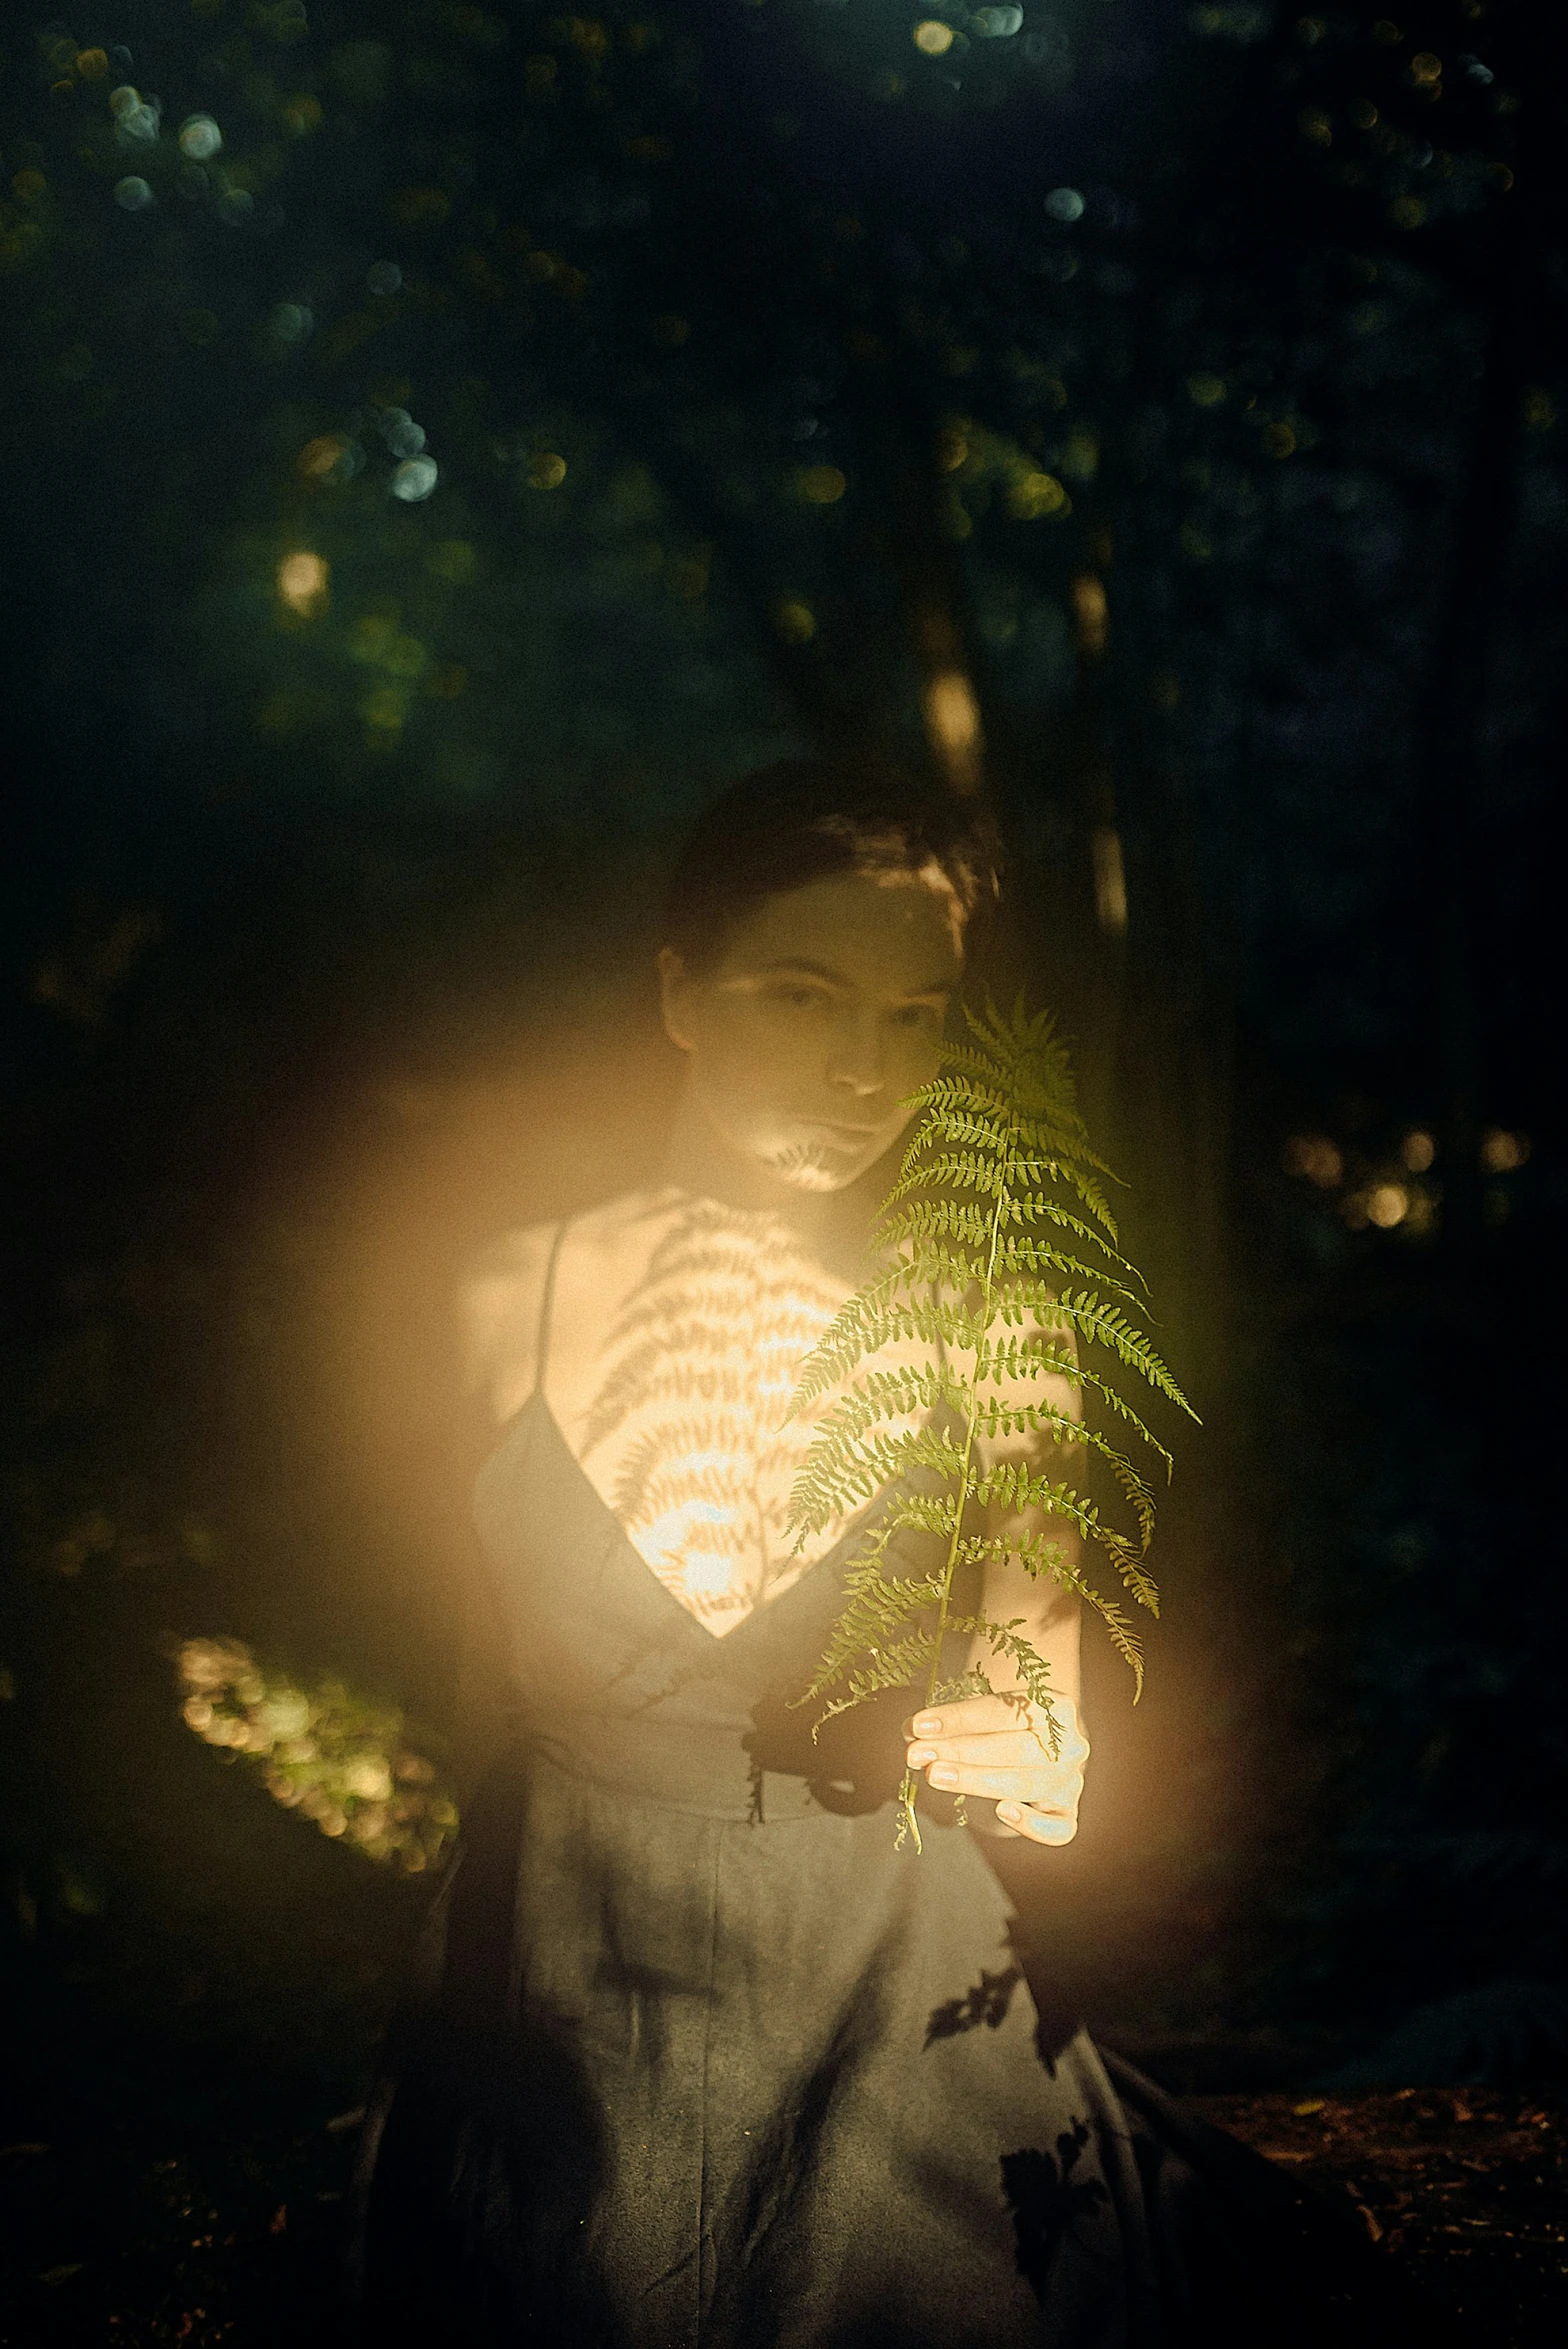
[994, 1716]
[965, 1717]
[1037, 1785]
[1001, 1752]
[1006, 1749]
[1038, 1826]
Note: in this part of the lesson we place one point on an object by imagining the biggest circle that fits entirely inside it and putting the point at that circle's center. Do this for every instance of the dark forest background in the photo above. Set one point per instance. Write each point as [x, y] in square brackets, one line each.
[443, 444]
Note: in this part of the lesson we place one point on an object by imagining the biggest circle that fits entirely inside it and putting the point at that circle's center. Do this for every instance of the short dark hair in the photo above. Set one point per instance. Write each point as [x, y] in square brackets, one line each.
[805, 820]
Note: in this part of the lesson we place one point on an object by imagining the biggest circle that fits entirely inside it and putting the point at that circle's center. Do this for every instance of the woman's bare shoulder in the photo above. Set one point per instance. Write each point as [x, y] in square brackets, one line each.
[501, 1293]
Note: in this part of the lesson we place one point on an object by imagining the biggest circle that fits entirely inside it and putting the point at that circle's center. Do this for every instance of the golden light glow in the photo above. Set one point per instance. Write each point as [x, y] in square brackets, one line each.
[820, 485]
[1091, 611]
[302, 583]
[1316, 1157]
[1110, 881]
[546, 470]
[1502, 1153]
[932, 37]
[952, 717]
[319, 459]
[1418, 1150]
[1387, 1205]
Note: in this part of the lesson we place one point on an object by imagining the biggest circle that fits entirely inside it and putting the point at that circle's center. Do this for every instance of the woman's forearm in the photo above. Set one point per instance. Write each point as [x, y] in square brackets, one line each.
[1047, 1616]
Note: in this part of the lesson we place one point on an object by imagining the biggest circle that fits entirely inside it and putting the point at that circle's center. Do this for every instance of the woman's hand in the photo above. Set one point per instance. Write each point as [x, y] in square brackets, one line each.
[987, 1746]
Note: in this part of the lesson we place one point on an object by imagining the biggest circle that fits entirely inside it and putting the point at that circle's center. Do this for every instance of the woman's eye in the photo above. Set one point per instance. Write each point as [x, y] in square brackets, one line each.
[799, 998]
[917, 1015]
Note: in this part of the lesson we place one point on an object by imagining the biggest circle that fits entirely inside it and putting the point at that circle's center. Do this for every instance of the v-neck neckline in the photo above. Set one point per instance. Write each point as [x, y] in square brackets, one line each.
[540, 1402]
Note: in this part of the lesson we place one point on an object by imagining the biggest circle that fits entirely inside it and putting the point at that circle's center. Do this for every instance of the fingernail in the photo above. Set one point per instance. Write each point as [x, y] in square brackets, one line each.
[944, 1775]
[1010, 1812]
[928, 1725]
[919, 1755]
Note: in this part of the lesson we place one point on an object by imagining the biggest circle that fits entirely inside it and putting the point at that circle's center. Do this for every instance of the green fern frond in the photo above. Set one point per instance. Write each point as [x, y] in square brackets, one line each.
[1034, 1674]
[1088, 1318]
[960, 1168]
[891, 1394]
[974, 1279]
[1014, 1357]
[848, 1340]
[1041, 1557]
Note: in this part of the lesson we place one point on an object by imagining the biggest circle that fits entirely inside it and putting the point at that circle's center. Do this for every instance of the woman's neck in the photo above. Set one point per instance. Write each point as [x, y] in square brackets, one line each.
[834, 1225]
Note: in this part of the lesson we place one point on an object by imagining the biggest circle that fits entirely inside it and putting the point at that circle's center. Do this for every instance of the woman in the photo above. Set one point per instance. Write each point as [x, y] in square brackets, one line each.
[698, 2055]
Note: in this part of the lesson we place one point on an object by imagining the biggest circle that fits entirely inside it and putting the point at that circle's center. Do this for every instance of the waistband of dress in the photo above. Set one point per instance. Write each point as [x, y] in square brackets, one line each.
[708, 1771]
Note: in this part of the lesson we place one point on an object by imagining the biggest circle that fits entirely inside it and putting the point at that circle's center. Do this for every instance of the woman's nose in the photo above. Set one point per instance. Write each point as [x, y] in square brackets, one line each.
[856, 1066]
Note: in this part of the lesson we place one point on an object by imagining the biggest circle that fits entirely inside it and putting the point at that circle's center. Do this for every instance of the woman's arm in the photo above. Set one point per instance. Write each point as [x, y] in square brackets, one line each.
[498, 1307]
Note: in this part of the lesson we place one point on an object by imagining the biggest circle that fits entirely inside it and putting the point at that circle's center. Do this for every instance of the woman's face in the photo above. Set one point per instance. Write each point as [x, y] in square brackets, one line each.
[823, 1014]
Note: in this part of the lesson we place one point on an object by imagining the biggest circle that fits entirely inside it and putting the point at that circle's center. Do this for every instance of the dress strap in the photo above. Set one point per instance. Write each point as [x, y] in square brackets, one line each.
[546, 1303]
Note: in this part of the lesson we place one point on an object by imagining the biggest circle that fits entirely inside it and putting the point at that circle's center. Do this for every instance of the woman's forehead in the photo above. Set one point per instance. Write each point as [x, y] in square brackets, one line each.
[893, 929]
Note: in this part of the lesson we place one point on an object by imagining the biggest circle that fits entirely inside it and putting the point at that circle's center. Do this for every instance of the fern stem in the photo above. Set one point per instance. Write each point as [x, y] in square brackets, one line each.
[945, 1607]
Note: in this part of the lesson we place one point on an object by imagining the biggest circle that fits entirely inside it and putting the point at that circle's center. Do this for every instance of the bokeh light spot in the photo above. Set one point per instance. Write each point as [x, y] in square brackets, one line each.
[795, 621]
[1315, 1157]
[414, 479]
[1065, 204]
[1387, 1205]
[1036, 494]
[200, 138]
[820, 485]
[1504, 1153]
[952, 713]
[137, 125]
[325, 458]
[133, 195]
[302, 583]
[546, 470]
[333, 1757]
[402, 435]
[933, 38]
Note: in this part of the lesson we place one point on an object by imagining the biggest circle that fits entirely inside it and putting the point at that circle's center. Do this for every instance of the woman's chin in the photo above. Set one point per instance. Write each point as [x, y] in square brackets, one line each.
[809, 1167]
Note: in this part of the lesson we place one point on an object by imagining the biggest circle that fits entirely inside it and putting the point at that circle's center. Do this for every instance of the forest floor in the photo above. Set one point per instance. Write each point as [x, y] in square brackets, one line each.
[130, 2238]
[1466, 2188]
